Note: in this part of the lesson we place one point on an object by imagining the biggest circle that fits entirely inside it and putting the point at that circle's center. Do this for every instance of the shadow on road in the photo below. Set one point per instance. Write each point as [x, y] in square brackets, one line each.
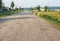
[24, 15]
[3, 20]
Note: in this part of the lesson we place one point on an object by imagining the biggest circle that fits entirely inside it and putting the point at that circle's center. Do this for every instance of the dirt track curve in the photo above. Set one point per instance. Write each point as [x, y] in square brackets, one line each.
[27, 27]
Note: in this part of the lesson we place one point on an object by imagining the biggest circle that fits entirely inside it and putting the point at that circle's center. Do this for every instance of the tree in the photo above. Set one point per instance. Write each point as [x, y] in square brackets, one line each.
[16, 9]
[20, 8]
[46, 8]
[12, 5]
[0, 4]
[38, 7]
[3, 5]
[31, 8]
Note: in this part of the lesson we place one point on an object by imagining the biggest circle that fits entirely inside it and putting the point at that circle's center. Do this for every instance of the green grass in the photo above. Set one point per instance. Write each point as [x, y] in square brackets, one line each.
[52, 16]
[6, 13]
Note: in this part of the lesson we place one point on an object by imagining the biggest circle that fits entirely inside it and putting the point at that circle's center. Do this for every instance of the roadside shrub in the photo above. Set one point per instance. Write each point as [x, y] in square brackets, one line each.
[6, 13]
[51, 17]
[46, 8]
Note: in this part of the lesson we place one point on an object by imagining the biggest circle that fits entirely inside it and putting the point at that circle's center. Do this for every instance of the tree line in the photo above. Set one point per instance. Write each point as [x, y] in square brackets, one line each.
[12, 6]
[39, 8]
[1, 4]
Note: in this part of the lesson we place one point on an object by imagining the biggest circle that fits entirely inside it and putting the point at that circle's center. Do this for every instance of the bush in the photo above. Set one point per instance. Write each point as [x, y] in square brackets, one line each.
[6, 13]
[46, 8]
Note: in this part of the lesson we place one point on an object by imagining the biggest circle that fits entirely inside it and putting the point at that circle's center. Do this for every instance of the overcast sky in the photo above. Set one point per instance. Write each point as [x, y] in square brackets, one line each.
[32, 3]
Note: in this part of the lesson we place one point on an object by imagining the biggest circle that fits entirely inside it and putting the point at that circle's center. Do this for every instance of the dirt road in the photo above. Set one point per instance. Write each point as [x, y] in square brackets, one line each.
[27, 27]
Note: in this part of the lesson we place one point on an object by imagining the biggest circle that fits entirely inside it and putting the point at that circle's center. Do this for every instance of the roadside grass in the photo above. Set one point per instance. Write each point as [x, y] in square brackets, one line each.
[52, 16]
[6, 13]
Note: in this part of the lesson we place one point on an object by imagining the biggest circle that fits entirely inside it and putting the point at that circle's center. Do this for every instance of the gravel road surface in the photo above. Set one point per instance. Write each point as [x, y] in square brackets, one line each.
[25, 26]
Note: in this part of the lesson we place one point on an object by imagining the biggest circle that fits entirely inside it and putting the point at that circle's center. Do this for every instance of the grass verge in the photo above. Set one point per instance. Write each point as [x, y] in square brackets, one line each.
[53, 17]
[6, 13]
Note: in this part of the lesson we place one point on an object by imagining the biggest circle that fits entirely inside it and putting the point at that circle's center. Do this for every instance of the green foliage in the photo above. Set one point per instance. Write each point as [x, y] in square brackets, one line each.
[51, 18]
[46, 8]
[12, 4]
[0, 4]
[31, 8]
[6, 13]
[37, 8]
[16, 9]
[20, 8]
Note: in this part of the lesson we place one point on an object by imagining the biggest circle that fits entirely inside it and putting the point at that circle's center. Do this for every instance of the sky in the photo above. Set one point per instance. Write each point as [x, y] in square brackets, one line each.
[31, 3]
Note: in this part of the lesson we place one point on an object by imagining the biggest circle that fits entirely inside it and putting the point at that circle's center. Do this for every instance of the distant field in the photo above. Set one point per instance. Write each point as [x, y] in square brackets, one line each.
[52, 16]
